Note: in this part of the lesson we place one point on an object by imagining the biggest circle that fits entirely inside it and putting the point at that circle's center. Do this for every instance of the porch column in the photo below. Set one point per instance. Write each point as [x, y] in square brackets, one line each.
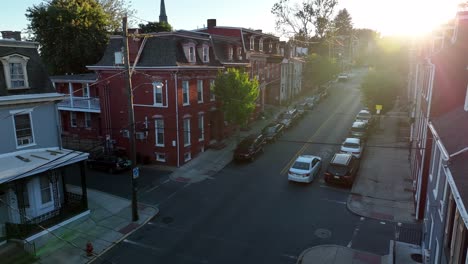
[84, 192]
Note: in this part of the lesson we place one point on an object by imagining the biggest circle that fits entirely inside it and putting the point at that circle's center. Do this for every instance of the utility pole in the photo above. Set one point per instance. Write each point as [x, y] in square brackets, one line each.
[131, 120]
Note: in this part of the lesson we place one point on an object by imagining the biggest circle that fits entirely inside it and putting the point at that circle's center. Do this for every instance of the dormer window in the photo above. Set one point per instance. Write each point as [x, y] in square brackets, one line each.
[118, 58]
[252, 43]
[191, 55]
[15, 71]
[206, 54]
[239, 53]
[260, 44]
[230, 53]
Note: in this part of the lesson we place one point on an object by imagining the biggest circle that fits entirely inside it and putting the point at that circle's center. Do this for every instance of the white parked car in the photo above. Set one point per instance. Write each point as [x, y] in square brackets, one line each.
[352, 146]
[364, 116]
[286, 122]
[343, 77]
[305, 168]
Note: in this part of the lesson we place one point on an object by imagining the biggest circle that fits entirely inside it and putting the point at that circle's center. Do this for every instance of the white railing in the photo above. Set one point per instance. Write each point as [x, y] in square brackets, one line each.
[81, 103]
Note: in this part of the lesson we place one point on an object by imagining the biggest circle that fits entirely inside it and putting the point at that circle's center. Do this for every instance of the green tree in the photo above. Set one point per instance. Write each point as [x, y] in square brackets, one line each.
[71, 33]
[342, 23]
[319, 70]
[381, 87]
[116, 9]
[237, 94]
[155, 27]
[308, 19]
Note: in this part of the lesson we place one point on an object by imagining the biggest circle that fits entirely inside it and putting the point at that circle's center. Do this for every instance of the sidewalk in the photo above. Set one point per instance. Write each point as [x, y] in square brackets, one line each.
[383, 189]
[109, 222]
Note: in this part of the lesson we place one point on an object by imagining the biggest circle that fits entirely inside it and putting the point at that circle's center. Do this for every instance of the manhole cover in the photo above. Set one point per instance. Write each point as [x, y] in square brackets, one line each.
[417, 257]
[167, 220]
[322, 233]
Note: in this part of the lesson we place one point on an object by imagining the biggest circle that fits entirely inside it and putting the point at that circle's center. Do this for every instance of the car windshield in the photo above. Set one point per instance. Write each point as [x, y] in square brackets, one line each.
[358, 129]
[364, 116]
[299, 165]
[350, 145]
[338, 170]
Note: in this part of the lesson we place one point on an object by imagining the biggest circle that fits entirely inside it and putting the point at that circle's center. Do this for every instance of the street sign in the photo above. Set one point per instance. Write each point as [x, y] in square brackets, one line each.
[136, 172]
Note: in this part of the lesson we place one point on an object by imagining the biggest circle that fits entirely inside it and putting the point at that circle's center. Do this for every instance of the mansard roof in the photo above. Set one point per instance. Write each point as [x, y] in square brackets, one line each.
[38, 77]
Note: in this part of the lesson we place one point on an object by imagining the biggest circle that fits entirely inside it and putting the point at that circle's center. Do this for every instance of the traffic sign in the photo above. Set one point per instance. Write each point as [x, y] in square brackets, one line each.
[378, 107]
[136, 172]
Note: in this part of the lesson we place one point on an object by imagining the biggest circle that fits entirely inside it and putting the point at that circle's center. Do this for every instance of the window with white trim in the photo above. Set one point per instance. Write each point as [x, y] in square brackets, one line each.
[23, 128]
[15, 71]
[87, 120]
[437, 175]
[230, 53]
[201, 127]
[187, 132]
[252, 43]
[185, 93]
[73, 122]
[46, 190]
[433, 159]
[191, 54]
[260, 44]
[85, 89]
[160, 157]
[159, 131]
[212, 93]
[118, 58]
[239, 53]
[206, 54]
[200, 91]
[158, 94]
[443, 201]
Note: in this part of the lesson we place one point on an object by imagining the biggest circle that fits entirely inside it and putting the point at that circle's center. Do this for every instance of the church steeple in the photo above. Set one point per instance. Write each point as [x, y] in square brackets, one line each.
[162, 14]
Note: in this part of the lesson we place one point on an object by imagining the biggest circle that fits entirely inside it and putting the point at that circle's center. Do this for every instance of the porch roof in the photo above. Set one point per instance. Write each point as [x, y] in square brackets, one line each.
[26, 163]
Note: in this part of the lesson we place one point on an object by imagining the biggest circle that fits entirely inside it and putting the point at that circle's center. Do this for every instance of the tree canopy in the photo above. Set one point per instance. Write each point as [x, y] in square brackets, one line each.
[116, 9]
[307, 19]
[237, 94]
[155, 27]
[318, 70]
[387, 77]
[71, 33]
[342, 23]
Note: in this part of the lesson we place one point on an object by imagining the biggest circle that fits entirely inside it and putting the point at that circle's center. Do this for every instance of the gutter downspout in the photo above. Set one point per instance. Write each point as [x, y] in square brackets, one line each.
[177, 118]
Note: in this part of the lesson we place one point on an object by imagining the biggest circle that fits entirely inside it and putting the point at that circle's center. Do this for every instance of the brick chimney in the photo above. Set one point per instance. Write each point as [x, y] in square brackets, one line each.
[7, 34]
[211, 23]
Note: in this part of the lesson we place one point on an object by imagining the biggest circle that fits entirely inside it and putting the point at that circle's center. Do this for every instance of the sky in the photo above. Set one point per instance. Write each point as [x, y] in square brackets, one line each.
[389, 17]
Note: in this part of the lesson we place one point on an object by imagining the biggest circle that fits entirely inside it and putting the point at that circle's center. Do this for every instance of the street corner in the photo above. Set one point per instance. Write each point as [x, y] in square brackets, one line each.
[147, 212]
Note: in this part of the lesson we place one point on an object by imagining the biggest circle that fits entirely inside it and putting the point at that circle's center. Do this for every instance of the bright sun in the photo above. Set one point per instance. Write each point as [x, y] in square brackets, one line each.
[416, 17]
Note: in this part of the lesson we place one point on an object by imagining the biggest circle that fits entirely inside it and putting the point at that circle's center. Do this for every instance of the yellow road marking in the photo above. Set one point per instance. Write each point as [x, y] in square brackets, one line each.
[299, 152]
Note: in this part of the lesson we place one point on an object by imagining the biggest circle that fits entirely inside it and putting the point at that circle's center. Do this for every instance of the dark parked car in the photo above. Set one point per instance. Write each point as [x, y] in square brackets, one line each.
[109, 163]
[342, 169]
[359, 130]
[249, 147]
[272, 131]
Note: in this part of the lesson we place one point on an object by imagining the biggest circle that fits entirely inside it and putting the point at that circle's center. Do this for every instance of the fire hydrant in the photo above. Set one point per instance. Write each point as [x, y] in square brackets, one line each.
[89, 249]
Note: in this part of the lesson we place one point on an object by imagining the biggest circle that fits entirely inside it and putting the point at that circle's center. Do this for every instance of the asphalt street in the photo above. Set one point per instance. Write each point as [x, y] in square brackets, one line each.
[250, 213]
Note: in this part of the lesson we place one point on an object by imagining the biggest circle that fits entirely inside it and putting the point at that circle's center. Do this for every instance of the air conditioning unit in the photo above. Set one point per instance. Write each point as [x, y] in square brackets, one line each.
[24, 141]
[140, 135]
[125, 133]
[426, 256]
